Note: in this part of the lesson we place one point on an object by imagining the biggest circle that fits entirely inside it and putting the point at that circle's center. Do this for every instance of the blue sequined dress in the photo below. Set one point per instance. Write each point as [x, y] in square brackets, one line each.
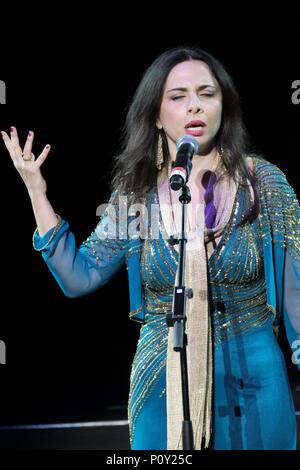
[252, 398]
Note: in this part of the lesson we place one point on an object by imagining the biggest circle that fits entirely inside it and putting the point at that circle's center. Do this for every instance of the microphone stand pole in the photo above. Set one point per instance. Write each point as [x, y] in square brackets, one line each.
[177, 320]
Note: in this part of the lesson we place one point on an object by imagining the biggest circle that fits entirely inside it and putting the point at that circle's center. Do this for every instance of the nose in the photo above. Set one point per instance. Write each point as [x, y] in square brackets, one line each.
[194, 109]
[194, 106]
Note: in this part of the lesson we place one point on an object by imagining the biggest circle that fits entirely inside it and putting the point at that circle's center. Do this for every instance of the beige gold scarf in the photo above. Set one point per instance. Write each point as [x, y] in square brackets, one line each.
[198, 327]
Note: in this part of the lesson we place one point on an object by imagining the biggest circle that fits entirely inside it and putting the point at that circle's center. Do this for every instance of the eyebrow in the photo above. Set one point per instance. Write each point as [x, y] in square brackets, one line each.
[202, 87]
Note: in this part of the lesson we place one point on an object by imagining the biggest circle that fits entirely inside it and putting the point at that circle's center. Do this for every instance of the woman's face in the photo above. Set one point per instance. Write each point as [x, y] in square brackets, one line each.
[191, 104]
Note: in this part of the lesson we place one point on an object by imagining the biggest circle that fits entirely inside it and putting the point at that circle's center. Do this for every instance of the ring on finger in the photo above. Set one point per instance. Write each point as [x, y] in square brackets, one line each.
[28, 157]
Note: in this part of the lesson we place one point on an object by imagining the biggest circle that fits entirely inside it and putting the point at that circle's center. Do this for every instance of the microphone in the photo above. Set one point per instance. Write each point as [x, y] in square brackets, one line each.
[186, 146]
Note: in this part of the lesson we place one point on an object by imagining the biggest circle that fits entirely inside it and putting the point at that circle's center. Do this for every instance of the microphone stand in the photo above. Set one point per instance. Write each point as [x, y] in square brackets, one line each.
[177, 320]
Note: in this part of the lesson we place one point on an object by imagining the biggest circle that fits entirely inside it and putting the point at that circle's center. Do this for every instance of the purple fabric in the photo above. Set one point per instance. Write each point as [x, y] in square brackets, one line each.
[209, 179]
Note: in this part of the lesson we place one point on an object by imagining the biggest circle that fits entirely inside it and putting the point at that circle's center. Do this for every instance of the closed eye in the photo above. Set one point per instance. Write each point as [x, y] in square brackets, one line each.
[174, 98]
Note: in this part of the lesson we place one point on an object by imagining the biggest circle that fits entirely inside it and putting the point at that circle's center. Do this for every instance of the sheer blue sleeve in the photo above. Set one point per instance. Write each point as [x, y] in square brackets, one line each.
[292, 305]
[80, 271]
[280, 222]
[291, 297]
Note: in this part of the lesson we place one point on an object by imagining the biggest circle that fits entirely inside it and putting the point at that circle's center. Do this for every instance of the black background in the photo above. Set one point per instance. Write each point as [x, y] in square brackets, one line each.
[71, 81]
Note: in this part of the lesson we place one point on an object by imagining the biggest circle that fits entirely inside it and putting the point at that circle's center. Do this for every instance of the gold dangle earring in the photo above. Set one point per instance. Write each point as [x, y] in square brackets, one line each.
[159, 152]
[221, 151]
[221, 155]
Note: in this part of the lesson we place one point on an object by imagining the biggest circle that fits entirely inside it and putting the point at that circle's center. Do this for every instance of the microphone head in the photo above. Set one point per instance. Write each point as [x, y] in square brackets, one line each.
[188, 139]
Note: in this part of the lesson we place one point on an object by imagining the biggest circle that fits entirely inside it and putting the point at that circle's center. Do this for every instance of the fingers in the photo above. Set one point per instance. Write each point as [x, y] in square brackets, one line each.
[13, 146]
[15, 142]
[28, 144]
[42, 157]
[9, 146]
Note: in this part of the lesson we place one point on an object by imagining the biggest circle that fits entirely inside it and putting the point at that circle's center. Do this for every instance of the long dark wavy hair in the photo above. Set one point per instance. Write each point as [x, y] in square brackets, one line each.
[135, 168]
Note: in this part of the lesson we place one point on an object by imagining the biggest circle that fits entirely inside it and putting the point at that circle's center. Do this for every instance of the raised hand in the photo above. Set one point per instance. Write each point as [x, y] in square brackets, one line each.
[24, 160]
